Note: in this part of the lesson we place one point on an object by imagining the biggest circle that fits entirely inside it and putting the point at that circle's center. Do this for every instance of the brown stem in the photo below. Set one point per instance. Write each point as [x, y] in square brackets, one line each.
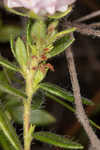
[80, 113]
[89, 16]
[83, 28]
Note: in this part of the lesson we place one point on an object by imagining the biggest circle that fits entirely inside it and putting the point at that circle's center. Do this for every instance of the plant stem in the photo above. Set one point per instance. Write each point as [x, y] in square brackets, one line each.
[27, 111]
[80, 113]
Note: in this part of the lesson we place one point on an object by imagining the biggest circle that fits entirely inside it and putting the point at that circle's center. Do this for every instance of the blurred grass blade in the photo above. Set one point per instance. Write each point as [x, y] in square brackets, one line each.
[60, 46]
[9, 131]
[4, 142]
[56, 140]
[60, 92]
[10, 90]
[8, 64]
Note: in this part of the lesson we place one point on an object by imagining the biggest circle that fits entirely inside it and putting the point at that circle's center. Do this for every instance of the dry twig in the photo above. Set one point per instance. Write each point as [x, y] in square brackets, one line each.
[83, 28]
[89, 16]
[80, 113]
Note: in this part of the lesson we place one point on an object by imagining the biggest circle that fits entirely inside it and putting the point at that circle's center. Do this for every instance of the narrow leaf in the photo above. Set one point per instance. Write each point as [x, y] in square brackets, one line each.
[9, 131]
[21, 53]
[38, 117]
[10, 90]
[4, 142]
[64, 32]
[60, 102]
[38, 30]
[12, 46]
[59, 15]
[56, 140]
[69, 108]
[60, 46]
[8, 64]
[58, 91]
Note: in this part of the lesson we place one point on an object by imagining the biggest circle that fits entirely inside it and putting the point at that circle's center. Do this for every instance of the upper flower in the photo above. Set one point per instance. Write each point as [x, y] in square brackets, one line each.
[40, 6]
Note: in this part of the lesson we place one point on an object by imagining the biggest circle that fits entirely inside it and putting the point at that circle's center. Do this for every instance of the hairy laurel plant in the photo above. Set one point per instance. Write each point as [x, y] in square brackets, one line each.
[23, 105]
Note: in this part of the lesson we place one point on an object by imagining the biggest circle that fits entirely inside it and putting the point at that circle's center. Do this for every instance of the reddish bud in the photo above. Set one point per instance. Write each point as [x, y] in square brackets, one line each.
[50, 66]
[34, 57]
[34, 68]
[42, 68]
[46, 49]
[44, 57]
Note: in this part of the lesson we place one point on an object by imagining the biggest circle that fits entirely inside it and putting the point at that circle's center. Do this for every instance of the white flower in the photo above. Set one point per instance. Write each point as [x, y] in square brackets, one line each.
[38, 6]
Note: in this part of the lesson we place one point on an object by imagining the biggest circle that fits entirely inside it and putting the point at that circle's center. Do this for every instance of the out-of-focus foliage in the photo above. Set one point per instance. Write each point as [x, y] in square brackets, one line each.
[6, 31]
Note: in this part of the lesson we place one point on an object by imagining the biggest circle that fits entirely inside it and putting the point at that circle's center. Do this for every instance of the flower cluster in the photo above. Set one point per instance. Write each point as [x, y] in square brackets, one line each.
[41, 6]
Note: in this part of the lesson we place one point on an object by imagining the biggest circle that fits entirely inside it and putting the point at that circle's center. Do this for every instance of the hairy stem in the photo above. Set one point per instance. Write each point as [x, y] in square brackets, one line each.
[27, 111]
[80, 113]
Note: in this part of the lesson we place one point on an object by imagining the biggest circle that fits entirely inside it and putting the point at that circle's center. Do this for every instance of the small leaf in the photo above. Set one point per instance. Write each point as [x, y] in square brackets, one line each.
[9, 131]
[64, 32]
[38, 29]
[8, 64]
[28, 30]
[21, 53]
[12, 46]
[38, 117]
[60, 46]
[59, 15]
[58, 91]
[15, 12]
[4, 142]
[10, 90]
[56, 140]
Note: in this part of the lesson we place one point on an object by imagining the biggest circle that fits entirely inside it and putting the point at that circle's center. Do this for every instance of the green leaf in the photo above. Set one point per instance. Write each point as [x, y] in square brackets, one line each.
[60, 92]
[59, 15]
[38, 30]
[60, 102]
[12, 46]
[60, 46]
[4, 142]
[38, 117]
[10, 90]
[69, 108]
[21, 53]
[28, 31]
[3, 77]
[56, 140]
[38, 100]
[8, 64]
[7, 31]
[64, 32]
[9, 131]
